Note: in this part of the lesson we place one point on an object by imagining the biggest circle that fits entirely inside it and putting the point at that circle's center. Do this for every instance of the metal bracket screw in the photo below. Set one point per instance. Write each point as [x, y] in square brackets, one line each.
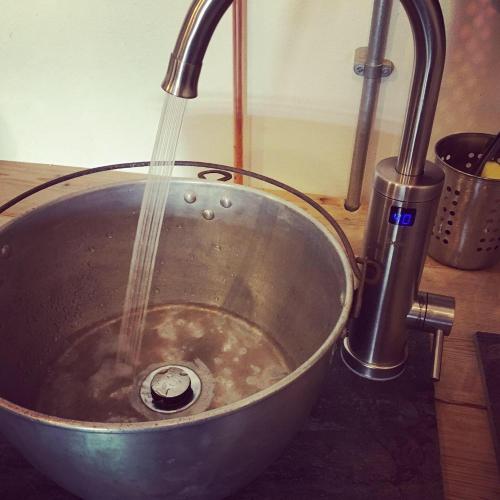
[360, 67]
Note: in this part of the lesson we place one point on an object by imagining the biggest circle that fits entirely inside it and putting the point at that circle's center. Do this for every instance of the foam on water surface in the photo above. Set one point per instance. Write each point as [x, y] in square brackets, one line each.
[238, 360]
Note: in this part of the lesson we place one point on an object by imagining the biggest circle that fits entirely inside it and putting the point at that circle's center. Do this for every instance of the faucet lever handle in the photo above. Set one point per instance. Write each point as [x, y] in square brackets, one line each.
[435, 314]
[437, 349]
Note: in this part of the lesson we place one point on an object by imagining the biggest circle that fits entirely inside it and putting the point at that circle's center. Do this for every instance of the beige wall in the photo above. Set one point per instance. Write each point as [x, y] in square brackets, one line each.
[80, 83]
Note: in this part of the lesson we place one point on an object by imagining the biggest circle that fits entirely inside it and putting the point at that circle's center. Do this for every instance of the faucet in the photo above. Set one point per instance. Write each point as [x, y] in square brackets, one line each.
[403, 205]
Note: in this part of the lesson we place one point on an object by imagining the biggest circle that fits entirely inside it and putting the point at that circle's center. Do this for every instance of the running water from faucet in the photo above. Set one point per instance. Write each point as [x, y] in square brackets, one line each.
[148, 230]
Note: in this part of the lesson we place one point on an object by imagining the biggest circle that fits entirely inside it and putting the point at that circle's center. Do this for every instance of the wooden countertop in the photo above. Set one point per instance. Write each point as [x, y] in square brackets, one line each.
[467, 454]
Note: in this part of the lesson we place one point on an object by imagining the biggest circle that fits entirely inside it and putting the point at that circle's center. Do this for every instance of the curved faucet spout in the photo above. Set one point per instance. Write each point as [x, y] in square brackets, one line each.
[186, 60]
[429, 39]
[376, 344]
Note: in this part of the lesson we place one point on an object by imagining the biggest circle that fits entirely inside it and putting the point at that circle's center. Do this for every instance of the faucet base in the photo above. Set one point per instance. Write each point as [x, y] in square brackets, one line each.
[371, 371]
[401, 213]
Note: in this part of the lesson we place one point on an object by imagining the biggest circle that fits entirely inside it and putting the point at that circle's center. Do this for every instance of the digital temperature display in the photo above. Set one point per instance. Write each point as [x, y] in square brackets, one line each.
[401, 216]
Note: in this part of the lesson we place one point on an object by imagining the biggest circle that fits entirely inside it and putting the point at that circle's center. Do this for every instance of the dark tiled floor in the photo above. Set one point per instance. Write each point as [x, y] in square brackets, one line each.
[363, 440]
[488, 347]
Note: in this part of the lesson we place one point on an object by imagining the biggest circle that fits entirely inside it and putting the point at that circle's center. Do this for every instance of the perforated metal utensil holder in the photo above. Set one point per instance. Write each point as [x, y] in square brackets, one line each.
[466, 232]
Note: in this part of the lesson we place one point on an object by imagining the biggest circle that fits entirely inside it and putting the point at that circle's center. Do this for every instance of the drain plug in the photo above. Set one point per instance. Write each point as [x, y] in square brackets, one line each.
[170, 389]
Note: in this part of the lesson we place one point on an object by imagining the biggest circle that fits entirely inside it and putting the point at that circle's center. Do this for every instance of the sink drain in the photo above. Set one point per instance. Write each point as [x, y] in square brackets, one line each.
[170, 389]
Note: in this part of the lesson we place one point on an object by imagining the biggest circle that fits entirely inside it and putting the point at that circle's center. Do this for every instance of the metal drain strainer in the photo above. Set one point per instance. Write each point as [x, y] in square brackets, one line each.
[169, 389]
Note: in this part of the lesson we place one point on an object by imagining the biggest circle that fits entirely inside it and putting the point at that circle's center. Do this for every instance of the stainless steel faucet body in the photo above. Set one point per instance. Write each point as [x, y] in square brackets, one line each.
[405, 195]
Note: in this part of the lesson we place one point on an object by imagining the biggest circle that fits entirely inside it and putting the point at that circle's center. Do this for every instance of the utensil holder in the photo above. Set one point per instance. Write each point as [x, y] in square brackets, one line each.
[466, 232]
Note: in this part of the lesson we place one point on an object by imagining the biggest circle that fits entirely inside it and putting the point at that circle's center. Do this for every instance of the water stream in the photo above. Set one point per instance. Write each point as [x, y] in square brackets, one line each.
[148, 230]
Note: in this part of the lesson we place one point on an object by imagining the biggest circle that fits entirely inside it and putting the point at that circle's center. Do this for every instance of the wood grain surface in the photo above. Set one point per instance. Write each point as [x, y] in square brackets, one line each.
[467, 455]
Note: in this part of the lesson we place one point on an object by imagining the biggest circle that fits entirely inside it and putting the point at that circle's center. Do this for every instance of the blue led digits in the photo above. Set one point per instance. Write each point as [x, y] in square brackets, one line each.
[401, 216]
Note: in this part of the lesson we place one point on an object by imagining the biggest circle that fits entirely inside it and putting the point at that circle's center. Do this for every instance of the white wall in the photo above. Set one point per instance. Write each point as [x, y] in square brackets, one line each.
[80, 83]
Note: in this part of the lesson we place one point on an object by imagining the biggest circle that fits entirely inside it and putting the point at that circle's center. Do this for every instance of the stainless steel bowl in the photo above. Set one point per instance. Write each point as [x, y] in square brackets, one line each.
[259, 258]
